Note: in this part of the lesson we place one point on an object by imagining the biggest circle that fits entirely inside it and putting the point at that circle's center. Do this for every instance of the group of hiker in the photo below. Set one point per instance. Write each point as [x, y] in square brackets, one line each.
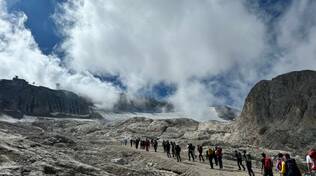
[144, 143]
[172, 150]
[211, 154]
[247, 158]
[215, 154]
[285, 165]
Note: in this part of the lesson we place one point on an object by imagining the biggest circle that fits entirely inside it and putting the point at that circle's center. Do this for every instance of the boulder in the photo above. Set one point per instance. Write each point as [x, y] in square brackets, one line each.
[119, 161]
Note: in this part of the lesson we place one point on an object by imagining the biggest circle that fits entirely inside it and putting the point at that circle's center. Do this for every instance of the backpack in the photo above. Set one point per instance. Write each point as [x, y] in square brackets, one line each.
[279, 165]
[248, 158]
[312, 154]
[267, 164]
[219, 151]
[191, 147]
[200, 149]
[210, 152]
[291, 167]
[239, 156]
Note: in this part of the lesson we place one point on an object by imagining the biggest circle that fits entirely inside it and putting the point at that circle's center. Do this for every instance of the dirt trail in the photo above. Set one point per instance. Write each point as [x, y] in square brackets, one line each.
[189, 168]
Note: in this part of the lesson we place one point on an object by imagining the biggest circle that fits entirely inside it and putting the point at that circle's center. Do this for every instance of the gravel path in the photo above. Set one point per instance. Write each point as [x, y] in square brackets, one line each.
[186, 167]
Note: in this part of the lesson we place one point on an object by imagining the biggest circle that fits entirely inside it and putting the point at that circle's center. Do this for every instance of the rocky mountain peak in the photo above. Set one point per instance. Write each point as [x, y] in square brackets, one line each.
[281, 109]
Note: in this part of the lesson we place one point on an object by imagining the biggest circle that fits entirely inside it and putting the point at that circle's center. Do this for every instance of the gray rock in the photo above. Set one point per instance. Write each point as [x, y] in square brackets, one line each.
[18, 98]
[120, 161]
[281, 112]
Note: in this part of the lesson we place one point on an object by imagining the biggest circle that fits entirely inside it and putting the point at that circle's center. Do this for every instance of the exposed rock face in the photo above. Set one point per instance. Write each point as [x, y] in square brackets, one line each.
[17, 98]
[281, 112]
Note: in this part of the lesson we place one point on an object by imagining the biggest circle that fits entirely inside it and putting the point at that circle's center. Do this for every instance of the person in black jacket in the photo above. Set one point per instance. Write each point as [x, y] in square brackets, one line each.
[291, 166]
[191, 151]
[168, 149]
[239, 160]
[200, 150]
[177, 149]
[155, 144]
[248, 161]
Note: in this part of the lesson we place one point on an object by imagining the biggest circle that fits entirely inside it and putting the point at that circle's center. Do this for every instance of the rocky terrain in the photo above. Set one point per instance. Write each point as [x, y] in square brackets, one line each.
[278, 116]
[281, 113]
[50, 146]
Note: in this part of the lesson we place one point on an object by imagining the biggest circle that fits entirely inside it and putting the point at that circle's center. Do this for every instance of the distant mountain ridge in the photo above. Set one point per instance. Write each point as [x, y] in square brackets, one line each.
[18, 98]
[141, 104]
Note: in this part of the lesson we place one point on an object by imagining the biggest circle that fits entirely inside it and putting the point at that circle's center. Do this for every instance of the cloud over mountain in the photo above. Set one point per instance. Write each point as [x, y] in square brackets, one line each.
[212, 51]
[147, 42]
[20, 55]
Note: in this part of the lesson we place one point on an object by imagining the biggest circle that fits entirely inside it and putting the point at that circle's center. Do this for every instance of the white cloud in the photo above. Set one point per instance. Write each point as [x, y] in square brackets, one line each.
[177, 42]
[297, 38]
[146, 42]
[20, 55]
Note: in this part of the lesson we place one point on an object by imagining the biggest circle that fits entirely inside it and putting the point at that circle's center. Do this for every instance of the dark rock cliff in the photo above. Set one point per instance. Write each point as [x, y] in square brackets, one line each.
[281, 112]
[18, 98]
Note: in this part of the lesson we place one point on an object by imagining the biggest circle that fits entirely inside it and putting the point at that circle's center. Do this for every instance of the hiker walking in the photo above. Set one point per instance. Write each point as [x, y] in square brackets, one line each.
[215, 157]
[191, 151]
[137, 143]
[267, 165]
[131, 142]
[164, 146]
[173, 152]
[168, 149]
[280, 165]
[125, 141]
[210, 153]
[200, 150]
[311, 161]
[248, 161]
[219, 156]
[291, 166]
[147, 144]
[239, 160]
[155, 145]
[178, 151]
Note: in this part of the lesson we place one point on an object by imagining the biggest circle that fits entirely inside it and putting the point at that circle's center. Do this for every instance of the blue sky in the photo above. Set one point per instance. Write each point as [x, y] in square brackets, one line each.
[40, 21]
[208, 52]
[45, 31]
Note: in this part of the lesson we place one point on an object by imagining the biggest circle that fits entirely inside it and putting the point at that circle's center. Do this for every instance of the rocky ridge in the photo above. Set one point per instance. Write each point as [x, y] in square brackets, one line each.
[18, 98]
[281, 113]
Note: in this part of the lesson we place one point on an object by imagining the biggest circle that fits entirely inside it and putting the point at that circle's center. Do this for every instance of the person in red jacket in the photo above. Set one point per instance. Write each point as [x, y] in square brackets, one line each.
[219, 156]
[267, 165]
[311, 161]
